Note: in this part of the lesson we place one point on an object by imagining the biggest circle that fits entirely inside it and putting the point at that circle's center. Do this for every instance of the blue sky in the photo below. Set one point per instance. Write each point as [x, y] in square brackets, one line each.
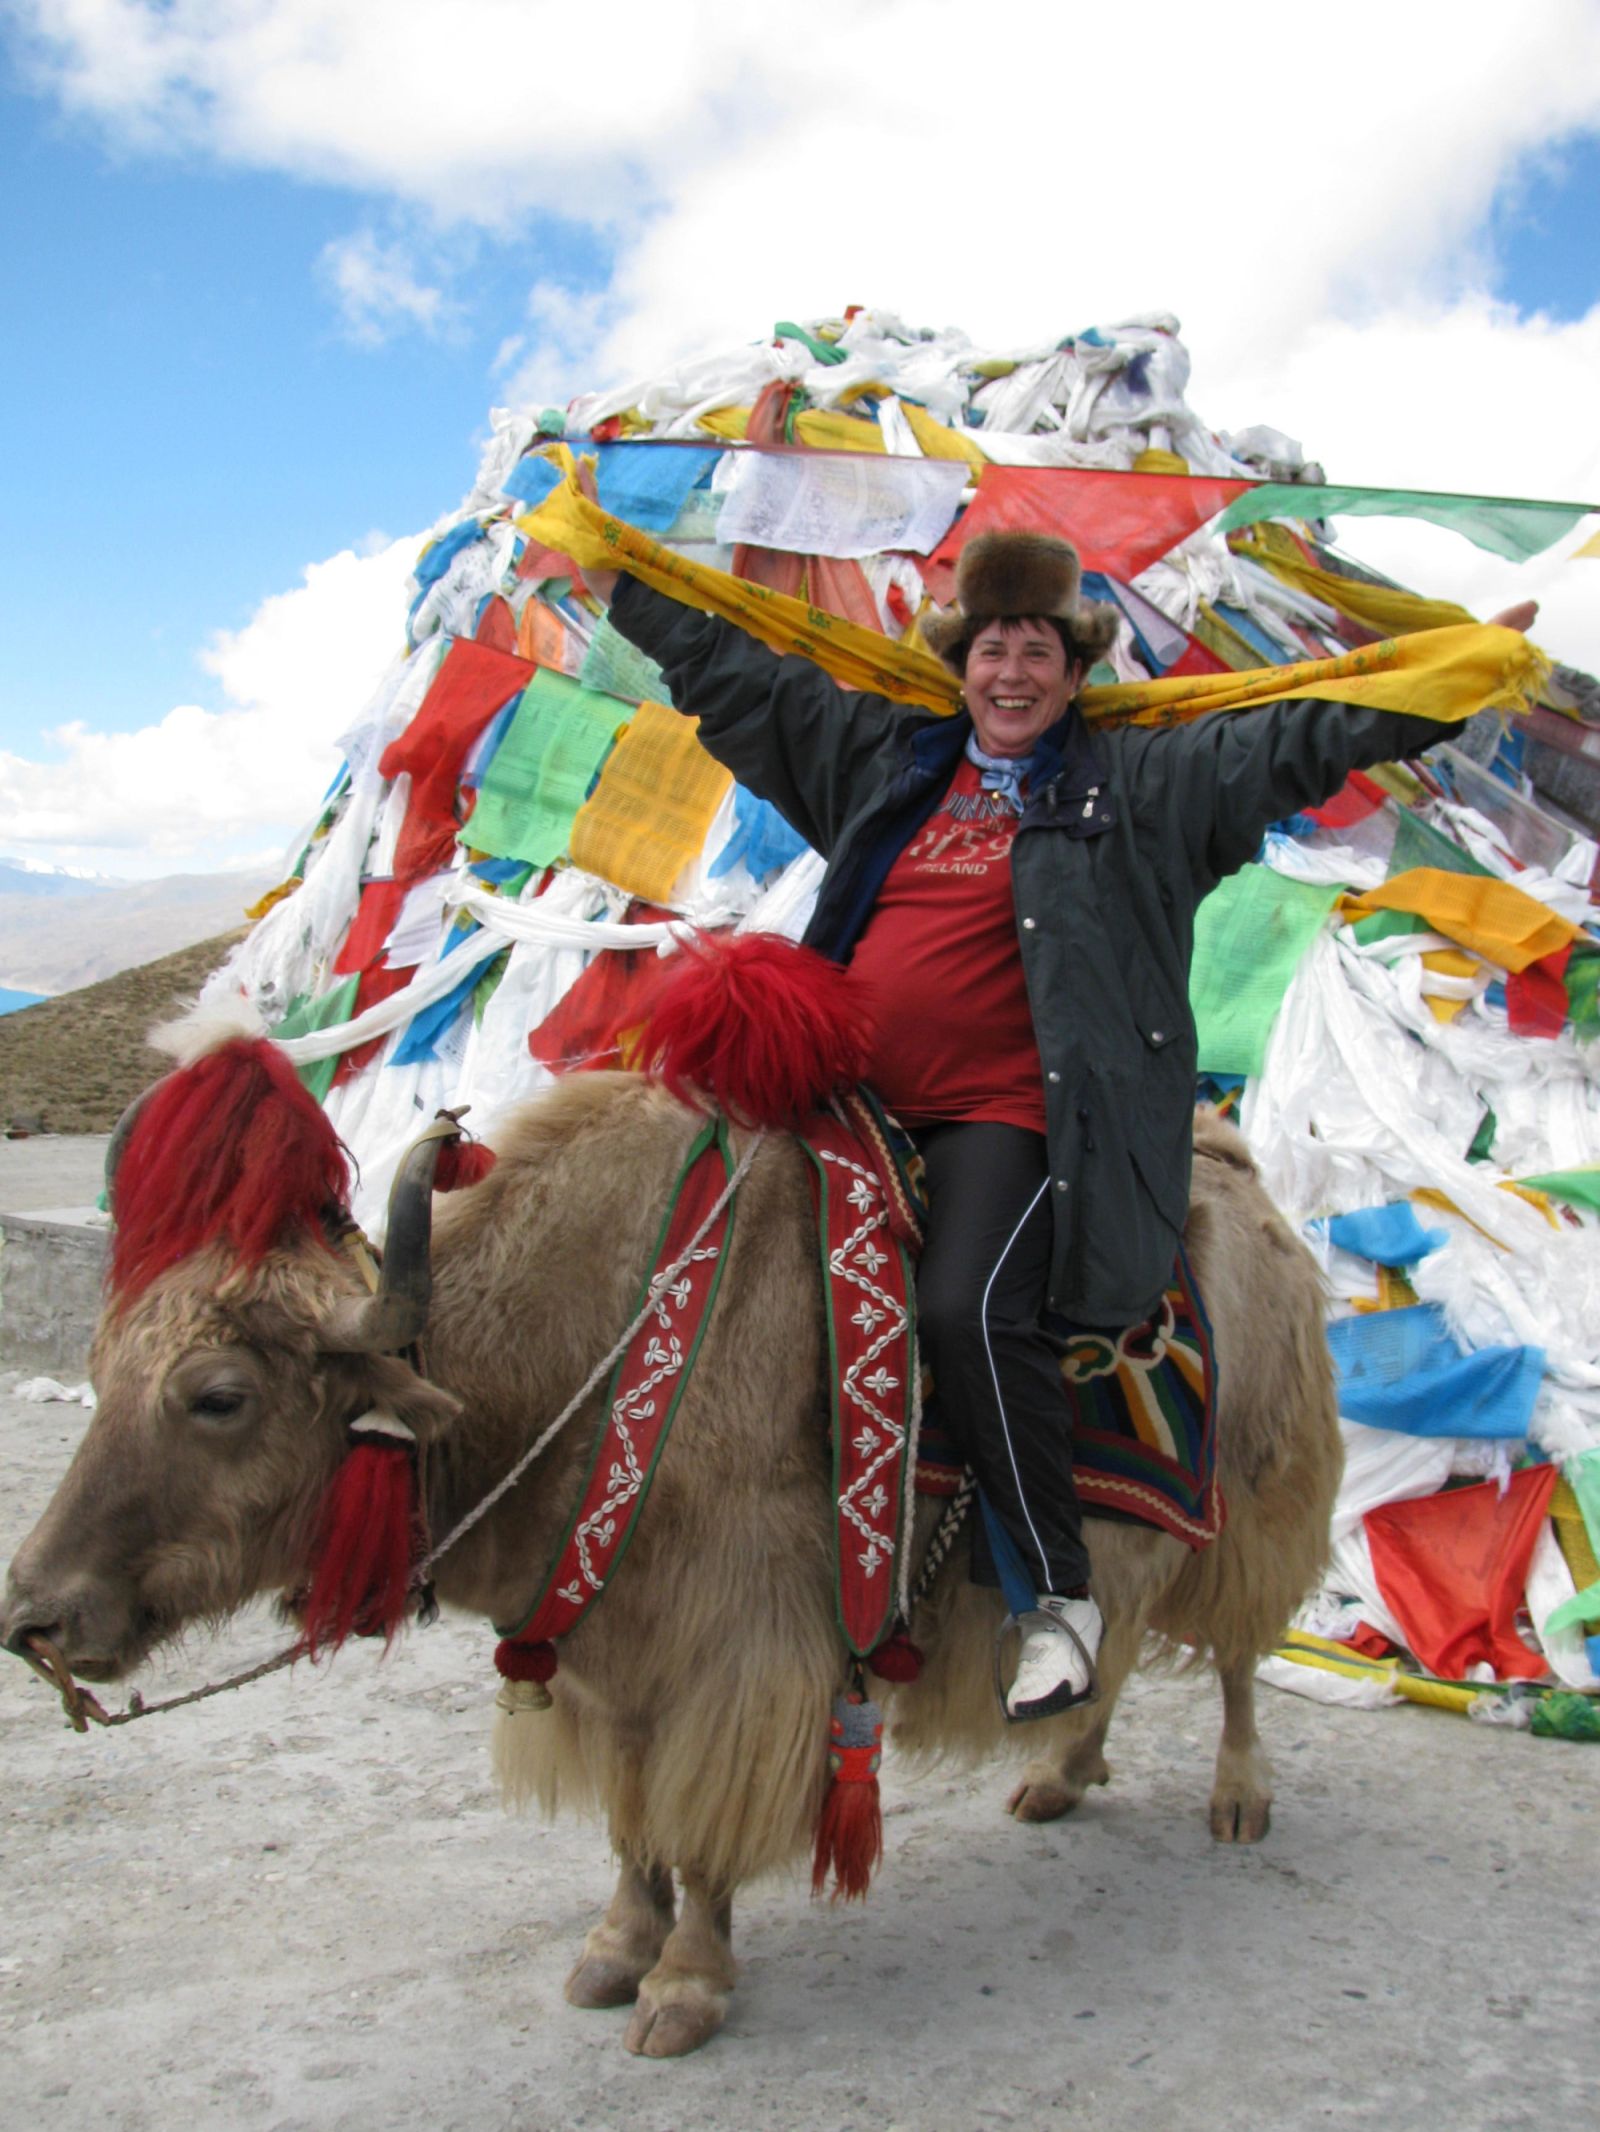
[267, 267]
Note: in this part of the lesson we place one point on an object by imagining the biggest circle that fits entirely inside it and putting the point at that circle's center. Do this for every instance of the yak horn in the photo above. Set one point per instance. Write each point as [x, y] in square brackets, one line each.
[116, 1147]
[397, 1314]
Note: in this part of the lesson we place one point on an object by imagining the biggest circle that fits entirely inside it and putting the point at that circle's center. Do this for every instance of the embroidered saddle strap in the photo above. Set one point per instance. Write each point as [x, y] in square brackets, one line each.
[866, 1280]
[643, 1395]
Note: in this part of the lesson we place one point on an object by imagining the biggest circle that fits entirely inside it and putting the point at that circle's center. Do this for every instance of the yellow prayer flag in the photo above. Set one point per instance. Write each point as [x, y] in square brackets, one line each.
[1591, 547]
[649, 814]
[1439, 673]
[1495, 919]
[939, 441]
[1383, 607]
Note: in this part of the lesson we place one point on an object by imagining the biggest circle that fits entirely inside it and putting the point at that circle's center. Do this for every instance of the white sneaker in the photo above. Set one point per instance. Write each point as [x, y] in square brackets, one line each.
[1055, 1671]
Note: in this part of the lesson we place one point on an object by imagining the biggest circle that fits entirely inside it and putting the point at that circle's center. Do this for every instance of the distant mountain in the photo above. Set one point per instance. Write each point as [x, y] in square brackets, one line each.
[31, 877]
[58, 938]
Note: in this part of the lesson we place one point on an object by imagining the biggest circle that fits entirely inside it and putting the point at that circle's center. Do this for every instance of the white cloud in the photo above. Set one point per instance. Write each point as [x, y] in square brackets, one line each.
[212, 787]
[377, 289]
[1311, 205]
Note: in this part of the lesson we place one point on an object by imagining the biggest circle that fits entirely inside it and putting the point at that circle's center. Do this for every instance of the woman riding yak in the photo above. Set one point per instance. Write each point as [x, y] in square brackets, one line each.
[1016, 896]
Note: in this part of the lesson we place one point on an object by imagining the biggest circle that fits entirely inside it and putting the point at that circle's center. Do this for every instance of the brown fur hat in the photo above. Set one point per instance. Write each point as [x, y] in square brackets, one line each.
[1001, 576]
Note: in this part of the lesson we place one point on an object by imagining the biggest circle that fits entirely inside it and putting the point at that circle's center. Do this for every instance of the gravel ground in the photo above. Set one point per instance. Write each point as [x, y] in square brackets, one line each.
[300, 1906]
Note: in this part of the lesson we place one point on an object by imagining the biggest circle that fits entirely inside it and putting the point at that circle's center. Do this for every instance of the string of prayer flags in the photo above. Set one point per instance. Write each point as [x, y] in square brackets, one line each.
[542, 770]
[1447, 673]
[648, 816]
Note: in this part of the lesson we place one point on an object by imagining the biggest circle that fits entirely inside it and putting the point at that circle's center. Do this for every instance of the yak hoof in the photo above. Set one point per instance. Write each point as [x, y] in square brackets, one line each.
[673, 2019]
[1047, 1791]
[600, 1980]
[1241, 1817]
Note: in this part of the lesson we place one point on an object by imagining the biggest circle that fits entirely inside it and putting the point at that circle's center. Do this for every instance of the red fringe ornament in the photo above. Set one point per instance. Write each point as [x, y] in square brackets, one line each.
[462, 1163]
[231, 1147]
[764, 1030]
[369, 1542]
[850, 1827]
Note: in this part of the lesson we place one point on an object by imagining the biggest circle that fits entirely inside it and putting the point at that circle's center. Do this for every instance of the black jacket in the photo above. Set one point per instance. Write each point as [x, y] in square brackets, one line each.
[1126, 832]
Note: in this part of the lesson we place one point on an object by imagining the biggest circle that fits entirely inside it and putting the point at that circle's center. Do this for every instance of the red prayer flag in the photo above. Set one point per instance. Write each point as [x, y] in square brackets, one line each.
[1119, 523]
[1355, 799]
[1452, 1568]
[371, 926]
[1536, 998]
[474, 682]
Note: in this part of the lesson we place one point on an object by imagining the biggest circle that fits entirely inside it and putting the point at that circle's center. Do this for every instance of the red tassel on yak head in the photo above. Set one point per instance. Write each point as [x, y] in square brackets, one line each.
[763, 1030]
[849, 1841]
[229, 1148]
[371, 1539]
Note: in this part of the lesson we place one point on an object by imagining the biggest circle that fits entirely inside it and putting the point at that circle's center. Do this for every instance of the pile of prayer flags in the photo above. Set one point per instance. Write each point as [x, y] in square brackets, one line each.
[1400, 996]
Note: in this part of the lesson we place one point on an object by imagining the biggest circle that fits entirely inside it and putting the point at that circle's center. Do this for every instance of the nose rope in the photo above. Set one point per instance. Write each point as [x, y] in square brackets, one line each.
[83, 1708]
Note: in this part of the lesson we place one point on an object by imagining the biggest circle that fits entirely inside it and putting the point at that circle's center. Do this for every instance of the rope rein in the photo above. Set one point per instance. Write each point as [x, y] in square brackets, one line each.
[83, 1708]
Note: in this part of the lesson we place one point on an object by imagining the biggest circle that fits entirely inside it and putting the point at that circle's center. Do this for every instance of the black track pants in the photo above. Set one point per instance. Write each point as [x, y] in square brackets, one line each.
[981, 1288]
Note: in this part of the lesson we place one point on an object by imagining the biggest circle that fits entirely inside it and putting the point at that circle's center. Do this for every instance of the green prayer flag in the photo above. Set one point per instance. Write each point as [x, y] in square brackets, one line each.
[1384, 925]
[1249, 936]
[1418, 843]
[1583, 992]
[617, 668]
[541, 772]
[1579, 1187]
[1584, 1474]
[1511, 526]
[306, 1015]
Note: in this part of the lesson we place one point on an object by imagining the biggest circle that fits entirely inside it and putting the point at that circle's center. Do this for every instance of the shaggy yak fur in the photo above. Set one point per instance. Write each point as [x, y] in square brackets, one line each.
[691, 1706]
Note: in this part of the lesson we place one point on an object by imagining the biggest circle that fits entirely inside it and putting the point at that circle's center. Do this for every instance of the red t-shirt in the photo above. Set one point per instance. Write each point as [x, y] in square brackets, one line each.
[941, 971]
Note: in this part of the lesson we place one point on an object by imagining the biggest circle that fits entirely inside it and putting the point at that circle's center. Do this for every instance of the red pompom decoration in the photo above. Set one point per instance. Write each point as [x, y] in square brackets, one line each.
[897, 1658]
[761, 1029]
[230, 1148]
[462, 1163]
[369, 1540]
[526, 1661]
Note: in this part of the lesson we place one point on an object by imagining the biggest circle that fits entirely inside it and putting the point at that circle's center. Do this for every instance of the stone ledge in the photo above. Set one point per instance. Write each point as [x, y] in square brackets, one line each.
[50, 1269]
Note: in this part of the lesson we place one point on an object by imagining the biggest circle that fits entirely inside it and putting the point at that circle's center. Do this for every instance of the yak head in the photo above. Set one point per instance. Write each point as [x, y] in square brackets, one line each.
[235, 1349]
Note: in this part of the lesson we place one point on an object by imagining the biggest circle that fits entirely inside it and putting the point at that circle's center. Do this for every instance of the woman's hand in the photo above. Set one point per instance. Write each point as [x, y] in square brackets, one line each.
[602, 583]
[1519, 617]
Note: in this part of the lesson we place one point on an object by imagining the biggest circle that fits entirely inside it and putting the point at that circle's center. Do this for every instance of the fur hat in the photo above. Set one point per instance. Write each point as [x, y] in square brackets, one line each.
[1004, 576]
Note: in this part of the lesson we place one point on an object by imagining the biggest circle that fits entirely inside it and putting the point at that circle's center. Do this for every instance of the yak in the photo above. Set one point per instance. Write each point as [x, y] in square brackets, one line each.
[691, 1706]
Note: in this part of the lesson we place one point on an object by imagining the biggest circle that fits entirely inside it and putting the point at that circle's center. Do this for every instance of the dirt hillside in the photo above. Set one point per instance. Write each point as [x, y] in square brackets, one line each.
[73, 1064]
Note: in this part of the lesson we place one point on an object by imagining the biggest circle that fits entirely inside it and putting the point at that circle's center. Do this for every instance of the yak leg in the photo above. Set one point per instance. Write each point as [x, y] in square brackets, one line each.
[1074, 1757]
[684, 1999]
[626, 1944]
[1241, 1798]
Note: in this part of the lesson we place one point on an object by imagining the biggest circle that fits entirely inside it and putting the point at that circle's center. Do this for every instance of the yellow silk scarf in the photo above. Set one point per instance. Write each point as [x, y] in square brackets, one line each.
[1436, 673]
